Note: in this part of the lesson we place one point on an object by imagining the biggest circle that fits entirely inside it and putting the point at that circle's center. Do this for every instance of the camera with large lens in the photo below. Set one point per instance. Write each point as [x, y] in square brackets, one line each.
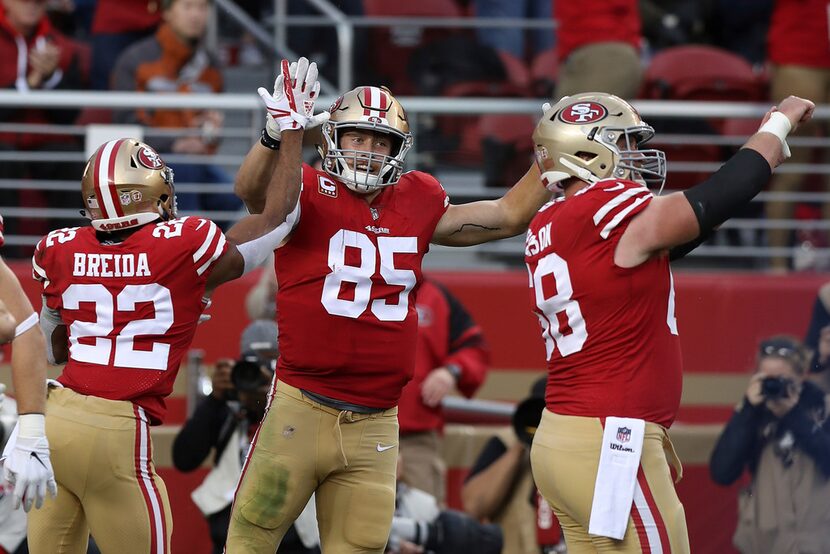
[775, 387]
[248, 374]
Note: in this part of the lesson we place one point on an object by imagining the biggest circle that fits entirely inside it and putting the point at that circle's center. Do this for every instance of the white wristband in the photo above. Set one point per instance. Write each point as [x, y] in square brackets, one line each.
[31, 426]
[780, 126]
[27, 324]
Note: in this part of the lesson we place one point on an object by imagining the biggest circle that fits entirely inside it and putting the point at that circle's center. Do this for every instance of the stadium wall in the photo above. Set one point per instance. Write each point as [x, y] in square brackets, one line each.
[721, 318]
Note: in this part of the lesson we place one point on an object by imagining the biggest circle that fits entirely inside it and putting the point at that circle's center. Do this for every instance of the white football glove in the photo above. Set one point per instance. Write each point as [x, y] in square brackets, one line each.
[26, 463]
[298, 86]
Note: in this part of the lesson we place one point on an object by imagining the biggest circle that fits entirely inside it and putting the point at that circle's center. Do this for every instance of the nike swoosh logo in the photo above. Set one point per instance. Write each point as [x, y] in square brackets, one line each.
[618, 186]
[382, 448]
[36, 457]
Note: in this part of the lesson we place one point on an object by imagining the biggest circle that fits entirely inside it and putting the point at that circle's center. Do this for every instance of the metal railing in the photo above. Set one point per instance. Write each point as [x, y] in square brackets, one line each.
[468, 187]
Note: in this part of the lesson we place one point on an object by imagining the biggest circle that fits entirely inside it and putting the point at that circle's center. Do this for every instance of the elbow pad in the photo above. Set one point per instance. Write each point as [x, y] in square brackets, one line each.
[732, 187]
[256, 251]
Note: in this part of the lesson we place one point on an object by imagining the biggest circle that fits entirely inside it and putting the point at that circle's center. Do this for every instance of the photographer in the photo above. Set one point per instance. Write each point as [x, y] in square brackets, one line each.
[225, 421]
[500, 487]
[781, 435]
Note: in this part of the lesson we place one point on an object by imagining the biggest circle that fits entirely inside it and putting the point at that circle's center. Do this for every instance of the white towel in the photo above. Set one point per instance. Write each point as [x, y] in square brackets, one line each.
[622, 445]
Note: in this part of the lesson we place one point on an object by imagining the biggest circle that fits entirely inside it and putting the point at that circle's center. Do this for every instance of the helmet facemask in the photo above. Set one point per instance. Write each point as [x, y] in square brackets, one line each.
[343, 163]
[643, 166]
[370, 109]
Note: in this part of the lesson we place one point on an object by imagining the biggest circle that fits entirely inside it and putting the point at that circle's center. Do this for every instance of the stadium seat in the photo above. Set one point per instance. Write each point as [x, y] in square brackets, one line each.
[518, 73]
[702, 73]
[391, 46]
[543, 72]
[506, 146]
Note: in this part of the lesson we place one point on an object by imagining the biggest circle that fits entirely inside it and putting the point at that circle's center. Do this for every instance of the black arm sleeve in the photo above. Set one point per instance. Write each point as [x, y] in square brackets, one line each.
[736, 183]
[735, 446]
[681, 250]
[199, 434]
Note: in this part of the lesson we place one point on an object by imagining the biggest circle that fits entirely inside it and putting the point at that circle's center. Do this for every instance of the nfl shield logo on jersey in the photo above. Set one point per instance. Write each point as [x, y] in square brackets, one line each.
[623, 434]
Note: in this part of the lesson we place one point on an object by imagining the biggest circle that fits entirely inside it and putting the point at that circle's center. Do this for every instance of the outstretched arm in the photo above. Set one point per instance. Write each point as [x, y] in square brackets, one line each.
[681, 217]
[486, 220]
[254, 237]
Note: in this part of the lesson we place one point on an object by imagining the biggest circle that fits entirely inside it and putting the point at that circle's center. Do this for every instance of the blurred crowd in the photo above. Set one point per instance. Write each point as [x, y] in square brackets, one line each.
[759, 51]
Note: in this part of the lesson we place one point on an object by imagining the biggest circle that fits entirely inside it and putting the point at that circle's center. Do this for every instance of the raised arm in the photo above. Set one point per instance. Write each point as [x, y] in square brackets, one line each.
[254, 175]
[255, 236]
[681, 217]
[258, 166]
[486, 220]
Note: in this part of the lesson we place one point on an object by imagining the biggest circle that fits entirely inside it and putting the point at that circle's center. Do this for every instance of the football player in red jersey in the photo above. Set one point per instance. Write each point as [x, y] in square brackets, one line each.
[601, 286]
[125, 296]
[348, 275]
[25, 461]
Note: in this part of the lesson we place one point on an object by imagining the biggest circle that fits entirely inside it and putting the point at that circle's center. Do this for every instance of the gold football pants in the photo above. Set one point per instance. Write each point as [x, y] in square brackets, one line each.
[107, 485]
[303, 447]
[565, 457]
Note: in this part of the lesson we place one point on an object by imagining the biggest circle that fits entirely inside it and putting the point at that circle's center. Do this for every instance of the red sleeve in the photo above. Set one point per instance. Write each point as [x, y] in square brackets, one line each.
[206, 242]
[467, 347]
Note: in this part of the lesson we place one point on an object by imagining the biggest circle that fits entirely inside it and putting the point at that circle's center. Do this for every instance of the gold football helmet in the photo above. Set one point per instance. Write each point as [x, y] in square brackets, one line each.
[127, 184]
[373, 109]
[594, 136]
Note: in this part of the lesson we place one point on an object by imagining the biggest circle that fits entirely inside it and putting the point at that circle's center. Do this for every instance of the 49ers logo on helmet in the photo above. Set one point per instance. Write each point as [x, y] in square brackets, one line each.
[583, 112]
[149, 158]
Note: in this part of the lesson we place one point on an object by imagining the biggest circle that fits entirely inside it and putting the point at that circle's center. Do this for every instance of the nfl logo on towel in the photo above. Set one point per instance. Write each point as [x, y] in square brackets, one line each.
[623, 434]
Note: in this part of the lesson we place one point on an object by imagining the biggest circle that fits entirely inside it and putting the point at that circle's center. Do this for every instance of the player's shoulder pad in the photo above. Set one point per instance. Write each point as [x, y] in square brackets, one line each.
[612, 202]
[199, 237]
[53, 246]
[425, 183]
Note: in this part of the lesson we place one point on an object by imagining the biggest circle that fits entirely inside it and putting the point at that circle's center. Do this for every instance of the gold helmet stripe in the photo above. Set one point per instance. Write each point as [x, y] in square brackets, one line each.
[105, 189]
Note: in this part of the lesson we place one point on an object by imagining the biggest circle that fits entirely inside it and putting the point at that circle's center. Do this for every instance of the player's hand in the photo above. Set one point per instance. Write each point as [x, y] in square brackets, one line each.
[291, 105]
[436, 386]
[798, 110]
[221, 379]
[26, 464]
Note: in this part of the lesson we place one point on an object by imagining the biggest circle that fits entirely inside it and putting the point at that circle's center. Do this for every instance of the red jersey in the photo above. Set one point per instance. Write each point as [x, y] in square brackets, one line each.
[610, 332]
[130, 308]
[347, 278]
[798, 33]
[447, 335]
[595, 21]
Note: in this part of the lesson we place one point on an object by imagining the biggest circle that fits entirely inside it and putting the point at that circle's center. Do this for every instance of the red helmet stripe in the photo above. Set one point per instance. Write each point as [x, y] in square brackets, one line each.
[105, 190]
[119, 209]
[383, 107]
[367, 100]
